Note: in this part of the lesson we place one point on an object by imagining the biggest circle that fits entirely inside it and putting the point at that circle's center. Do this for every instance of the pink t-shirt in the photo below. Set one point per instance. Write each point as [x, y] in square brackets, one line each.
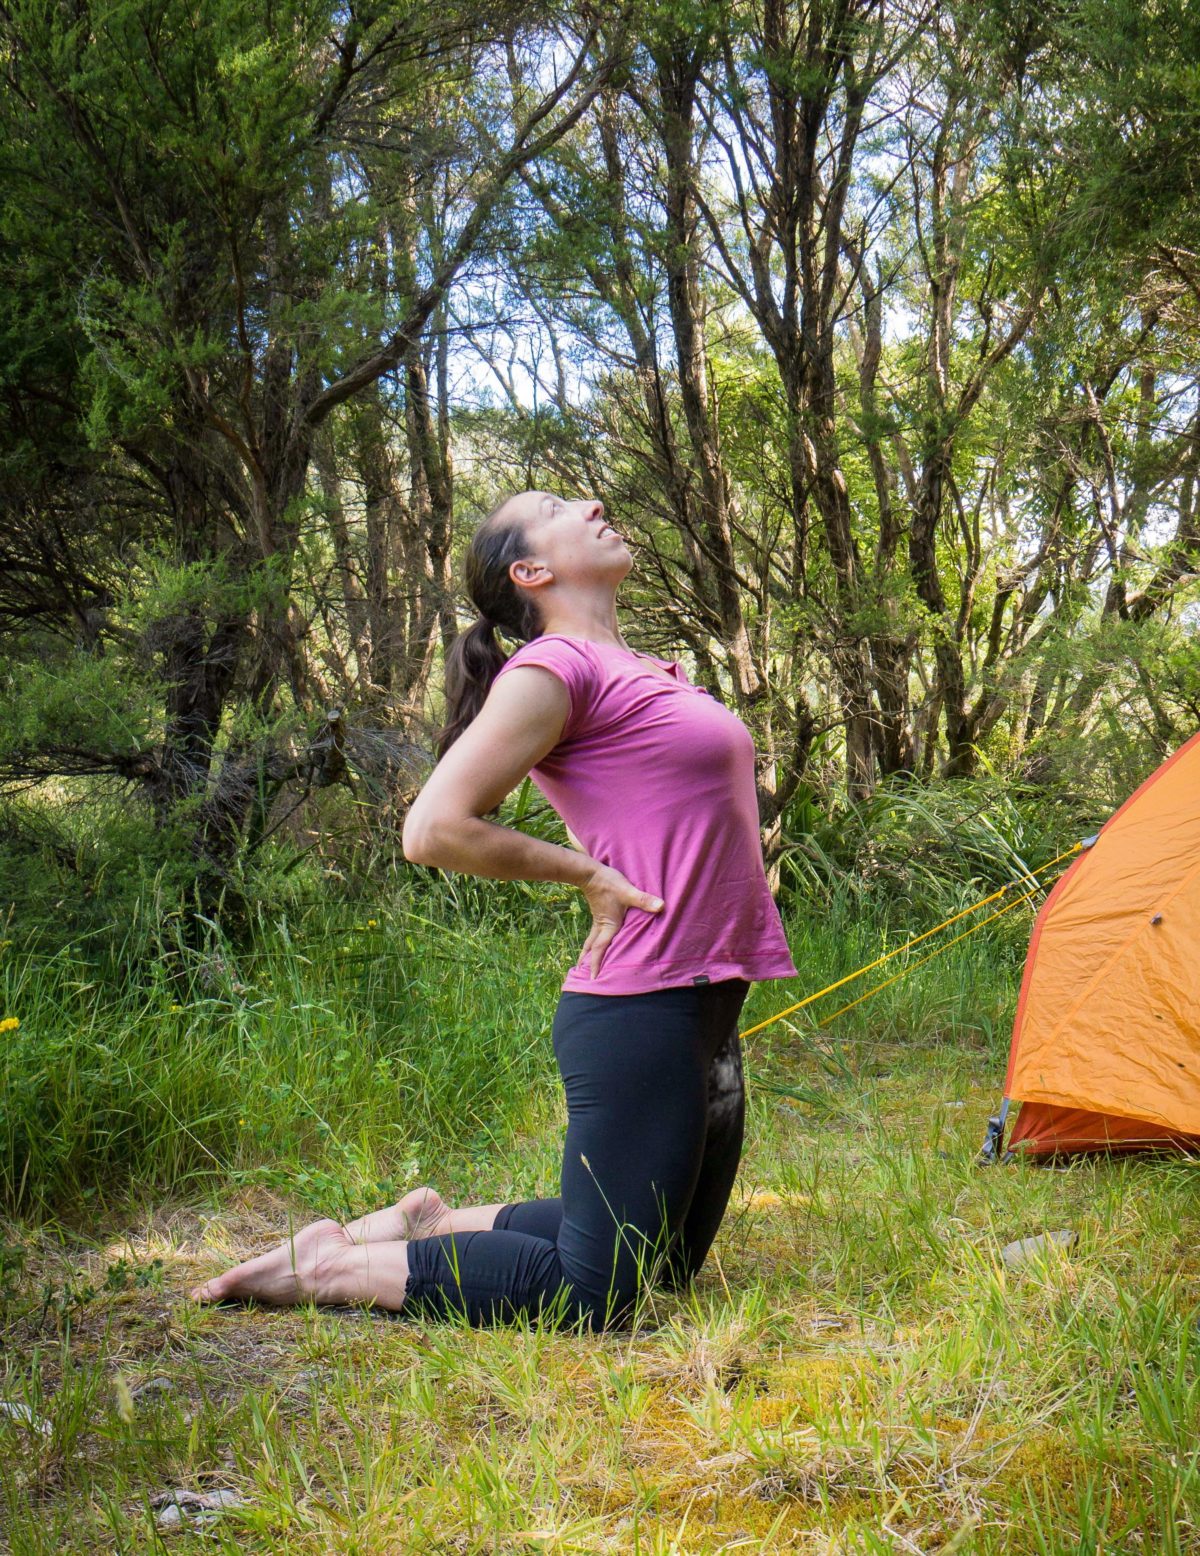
[656, 779]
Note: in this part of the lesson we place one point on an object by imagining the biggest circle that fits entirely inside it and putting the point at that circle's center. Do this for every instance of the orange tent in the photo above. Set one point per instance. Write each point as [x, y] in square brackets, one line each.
[1106, 1045]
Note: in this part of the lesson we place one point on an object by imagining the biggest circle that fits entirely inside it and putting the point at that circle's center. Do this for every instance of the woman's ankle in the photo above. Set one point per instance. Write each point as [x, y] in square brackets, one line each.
[474, 1218]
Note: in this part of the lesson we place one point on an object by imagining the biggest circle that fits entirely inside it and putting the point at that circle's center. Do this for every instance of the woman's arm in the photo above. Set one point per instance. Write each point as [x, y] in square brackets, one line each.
[521, 721]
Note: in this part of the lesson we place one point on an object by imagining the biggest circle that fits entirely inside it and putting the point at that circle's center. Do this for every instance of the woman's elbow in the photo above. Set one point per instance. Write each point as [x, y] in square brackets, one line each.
[416, 840]
[436, 841]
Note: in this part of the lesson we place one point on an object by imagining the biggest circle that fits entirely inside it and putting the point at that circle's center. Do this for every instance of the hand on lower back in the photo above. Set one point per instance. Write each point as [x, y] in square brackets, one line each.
[610, 896]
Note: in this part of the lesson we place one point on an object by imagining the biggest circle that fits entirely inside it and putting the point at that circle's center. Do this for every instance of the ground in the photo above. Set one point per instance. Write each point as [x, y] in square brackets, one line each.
[854, 1370]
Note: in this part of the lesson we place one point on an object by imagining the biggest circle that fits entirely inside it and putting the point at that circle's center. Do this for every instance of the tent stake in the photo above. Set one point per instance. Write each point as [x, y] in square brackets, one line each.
[993, 1141]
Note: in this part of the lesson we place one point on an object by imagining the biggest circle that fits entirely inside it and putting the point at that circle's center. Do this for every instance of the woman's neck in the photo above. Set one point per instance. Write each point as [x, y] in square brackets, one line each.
[591, 629]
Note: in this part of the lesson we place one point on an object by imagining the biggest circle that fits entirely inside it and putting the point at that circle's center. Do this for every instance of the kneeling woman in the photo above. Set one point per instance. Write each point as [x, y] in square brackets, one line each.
[655, 781]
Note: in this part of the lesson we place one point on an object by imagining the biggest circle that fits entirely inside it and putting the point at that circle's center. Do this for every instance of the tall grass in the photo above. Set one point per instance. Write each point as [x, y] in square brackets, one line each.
[338, 1053]
[335, 1050]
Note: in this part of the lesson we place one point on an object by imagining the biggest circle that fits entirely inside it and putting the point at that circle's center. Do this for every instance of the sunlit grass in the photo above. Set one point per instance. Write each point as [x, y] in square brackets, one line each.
[854, 1369]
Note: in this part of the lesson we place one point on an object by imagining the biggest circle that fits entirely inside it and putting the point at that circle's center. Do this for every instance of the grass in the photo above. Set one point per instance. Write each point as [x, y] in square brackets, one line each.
[855, 1370]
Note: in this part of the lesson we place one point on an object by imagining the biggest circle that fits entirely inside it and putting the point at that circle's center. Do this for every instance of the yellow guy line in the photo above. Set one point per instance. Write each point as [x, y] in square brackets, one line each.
[916, 940]
[937, 951]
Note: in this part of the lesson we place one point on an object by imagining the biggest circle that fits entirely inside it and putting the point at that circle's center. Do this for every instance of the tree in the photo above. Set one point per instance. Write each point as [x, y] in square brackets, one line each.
[208, 191]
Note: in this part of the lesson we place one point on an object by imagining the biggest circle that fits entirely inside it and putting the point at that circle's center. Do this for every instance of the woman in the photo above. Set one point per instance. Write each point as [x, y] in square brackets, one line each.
[655, 781]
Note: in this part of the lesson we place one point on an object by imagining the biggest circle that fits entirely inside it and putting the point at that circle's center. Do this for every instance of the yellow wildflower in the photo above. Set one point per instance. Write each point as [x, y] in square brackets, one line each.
[9, 1024]
[372, 923]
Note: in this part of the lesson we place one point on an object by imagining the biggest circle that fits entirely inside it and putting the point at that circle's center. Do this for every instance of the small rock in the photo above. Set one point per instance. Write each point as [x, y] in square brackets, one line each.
[23, 1414]
[152, 1386]
[1028, 1249]
[196, 1506]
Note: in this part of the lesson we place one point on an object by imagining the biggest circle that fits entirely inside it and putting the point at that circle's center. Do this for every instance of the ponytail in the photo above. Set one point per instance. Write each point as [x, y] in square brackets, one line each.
[475, 658]
[473, 663]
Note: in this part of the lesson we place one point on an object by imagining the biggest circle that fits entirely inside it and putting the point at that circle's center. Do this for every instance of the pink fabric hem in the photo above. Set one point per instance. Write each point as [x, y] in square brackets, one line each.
[647, 981]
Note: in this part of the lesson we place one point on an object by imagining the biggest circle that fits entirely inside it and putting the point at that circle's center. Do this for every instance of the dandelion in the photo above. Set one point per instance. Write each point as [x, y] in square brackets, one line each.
[9, 1024]
[372, 923]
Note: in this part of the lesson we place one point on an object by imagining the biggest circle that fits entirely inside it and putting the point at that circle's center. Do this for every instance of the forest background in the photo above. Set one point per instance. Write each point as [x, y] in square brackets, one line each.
[874, 325]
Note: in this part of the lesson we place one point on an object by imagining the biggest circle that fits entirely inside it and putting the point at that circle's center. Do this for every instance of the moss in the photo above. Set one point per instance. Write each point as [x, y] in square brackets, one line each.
[1012, 1457]
[665, 1434]
[807, 1390]
[710, 1522]
[767, 1199]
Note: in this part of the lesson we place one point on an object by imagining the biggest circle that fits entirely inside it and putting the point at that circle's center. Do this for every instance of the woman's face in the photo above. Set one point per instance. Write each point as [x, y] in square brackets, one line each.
[572, 539]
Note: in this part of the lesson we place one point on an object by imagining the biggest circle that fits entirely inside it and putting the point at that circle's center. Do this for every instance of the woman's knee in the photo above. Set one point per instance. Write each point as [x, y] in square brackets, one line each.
[611, 1304]
[601, 1311]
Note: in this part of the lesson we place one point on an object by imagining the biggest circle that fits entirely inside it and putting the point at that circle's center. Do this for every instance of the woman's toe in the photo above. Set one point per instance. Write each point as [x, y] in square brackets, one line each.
[209, 1291]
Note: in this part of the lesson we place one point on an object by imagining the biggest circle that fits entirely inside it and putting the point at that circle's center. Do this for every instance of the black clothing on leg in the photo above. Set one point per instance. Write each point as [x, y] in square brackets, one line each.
[655, 1120]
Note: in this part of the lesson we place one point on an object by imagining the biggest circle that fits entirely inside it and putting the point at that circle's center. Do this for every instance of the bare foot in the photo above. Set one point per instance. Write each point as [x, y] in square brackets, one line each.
[424, 1213]
[284, 1276]
[421, 1213]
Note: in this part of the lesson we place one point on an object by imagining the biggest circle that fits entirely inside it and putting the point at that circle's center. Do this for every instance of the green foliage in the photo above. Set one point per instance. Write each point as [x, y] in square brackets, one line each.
[1140, 129]
[928, 849]
[323, 1054]
[1144, 676]
[83, 704]
[163, 587]
[89, 865]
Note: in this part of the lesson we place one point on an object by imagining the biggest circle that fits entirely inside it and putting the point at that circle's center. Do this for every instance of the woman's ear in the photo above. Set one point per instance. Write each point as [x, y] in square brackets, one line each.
[531, 574]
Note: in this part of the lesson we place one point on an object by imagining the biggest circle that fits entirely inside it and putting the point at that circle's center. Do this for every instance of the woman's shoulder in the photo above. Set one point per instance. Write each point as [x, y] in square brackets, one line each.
[575, 663]
[584, 645]
[556, 646]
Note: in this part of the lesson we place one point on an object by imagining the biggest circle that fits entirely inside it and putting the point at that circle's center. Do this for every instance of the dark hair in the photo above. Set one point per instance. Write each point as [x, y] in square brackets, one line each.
[475, 657]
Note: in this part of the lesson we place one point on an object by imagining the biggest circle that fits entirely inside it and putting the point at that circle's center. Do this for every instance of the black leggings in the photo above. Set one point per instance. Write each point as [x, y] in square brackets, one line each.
[655, 1118]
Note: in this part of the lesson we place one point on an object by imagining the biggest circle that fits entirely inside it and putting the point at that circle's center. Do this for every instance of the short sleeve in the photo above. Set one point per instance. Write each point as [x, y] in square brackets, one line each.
[574, 666]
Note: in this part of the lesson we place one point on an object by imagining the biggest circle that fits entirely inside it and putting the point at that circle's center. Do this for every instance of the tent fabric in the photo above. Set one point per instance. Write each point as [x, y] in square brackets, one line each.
[1106, 1041]
[1043, 1130]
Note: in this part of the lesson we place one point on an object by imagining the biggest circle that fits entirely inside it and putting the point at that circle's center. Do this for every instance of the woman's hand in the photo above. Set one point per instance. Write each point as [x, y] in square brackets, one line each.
[609, 895]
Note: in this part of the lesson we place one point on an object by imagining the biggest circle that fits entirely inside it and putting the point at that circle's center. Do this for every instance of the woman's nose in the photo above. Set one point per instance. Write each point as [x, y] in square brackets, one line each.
[595, 509]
